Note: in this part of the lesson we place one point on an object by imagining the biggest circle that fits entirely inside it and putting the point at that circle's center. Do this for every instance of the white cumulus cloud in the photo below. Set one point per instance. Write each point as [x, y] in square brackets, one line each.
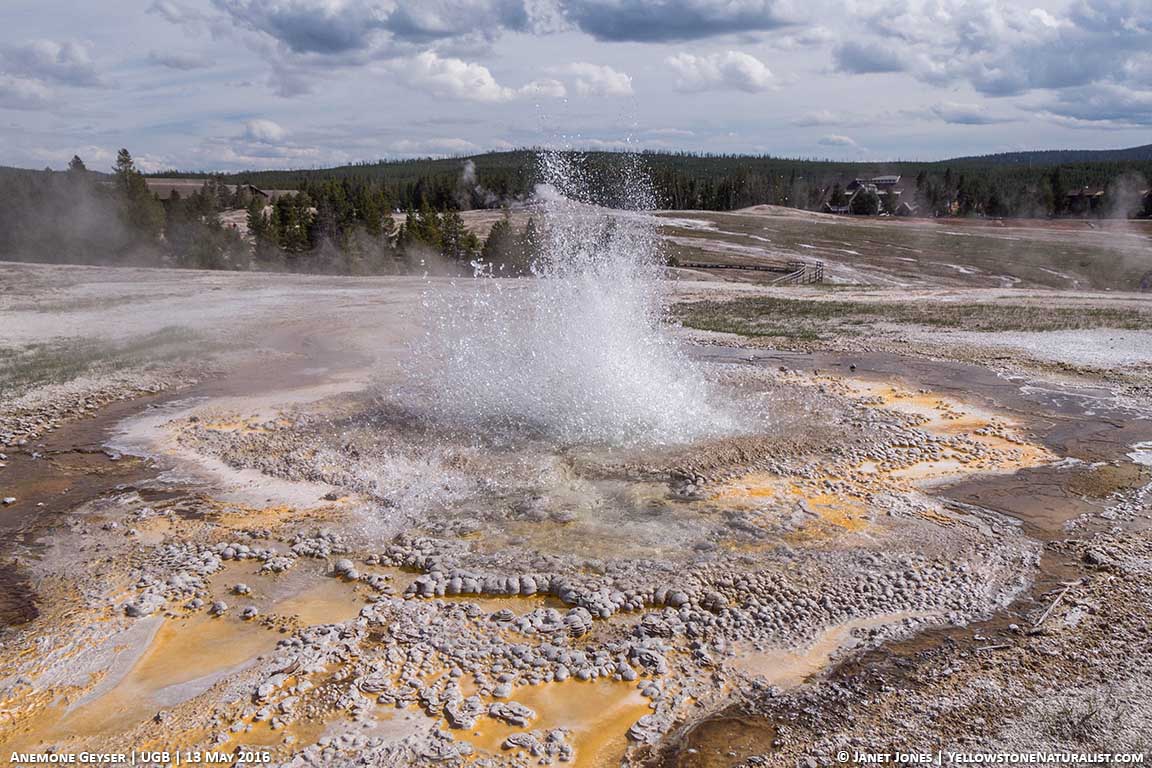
[68, 62]
[433, 146]
[450, 77]
[818, 117]
[263, 132]
[836, 140]
[543, 89]
[466, 80]
[728, 70]
[598, 80]
[1004, 47]
[19, 93]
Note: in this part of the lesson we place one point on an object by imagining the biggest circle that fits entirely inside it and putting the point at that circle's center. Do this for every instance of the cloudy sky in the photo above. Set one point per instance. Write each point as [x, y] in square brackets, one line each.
[231, 84]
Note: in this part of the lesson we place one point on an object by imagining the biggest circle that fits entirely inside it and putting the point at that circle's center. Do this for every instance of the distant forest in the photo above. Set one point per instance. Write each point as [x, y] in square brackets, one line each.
[1025, 184]
[334, 226]
[404, 216]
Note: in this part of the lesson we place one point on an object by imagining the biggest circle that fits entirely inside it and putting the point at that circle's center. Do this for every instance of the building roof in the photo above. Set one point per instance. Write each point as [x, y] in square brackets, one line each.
[164, 187]
[885, 180]
[868, 186]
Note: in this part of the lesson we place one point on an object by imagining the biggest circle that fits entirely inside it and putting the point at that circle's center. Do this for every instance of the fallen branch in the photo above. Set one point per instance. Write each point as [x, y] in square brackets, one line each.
[1052, 607]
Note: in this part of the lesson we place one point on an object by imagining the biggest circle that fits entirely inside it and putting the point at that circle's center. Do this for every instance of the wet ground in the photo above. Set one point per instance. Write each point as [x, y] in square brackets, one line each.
[1084, 422]
[73, 467]
[274, 452]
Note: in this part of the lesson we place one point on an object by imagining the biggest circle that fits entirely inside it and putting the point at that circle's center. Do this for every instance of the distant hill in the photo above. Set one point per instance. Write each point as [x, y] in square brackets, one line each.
[1050, 157]
[9, 171]
[1009, 184]
[521, 162]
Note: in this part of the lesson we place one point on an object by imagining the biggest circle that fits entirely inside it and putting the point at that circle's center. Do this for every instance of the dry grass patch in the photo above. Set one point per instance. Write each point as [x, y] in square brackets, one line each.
[806, 318]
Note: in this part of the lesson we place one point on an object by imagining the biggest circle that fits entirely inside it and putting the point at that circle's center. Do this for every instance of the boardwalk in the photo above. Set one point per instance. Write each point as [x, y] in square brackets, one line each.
[791, 271]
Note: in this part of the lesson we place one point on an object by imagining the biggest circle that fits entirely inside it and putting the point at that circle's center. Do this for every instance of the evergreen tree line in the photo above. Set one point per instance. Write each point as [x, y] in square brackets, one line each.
[991, 186]
[78, 216]
[347, 227]
[335, 226]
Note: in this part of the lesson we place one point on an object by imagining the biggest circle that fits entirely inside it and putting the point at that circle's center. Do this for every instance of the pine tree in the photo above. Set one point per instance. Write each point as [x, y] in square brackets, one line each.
[889, 203]
[257, 221]
[865, 203]
[124, 169]
[293, 222]
[838, 198]
[1058, 190]
[456, 242]
[530, 244]
[500, 248]
[141, 211]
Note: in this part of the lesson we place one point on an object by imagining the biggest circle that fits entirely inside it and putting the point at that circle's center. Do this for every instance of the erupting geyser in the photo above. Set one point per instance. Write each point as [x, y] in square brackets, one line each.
[577, 353]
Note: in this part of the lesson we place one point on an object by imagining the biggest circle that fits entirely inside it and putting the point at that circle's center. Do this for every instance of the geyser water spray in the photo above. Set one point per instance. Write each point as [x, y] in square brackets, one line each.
[578, 352]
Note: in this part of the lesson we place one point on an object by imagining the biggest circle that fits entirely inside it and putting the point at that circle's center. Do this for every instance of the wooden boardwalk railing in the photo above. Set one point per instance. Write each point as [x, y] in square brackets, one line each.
[790, 272]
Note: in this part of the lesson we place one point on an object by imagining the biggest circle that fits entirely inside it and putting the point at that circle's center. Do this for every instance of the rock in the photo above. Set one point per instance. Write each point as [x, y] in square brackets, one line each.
[464, 712]
[374, 683]
[511, 712]
[521, 741]
[218, 608]
[145, 605]
[714, 601]
[578, 621]
[277, 564]
[1091, 556]
[249, 613]
[646, 730]
[443, 748]
[343, 566]
[9, 500]
[241, 589]
[651, 660]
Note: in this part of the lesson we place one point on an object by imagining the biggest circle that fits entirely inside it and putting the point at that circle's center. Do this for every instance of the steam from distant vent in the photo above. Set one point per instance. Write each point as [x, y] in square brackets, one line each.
[1126, 196]
[578, 352]
[470, 193]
